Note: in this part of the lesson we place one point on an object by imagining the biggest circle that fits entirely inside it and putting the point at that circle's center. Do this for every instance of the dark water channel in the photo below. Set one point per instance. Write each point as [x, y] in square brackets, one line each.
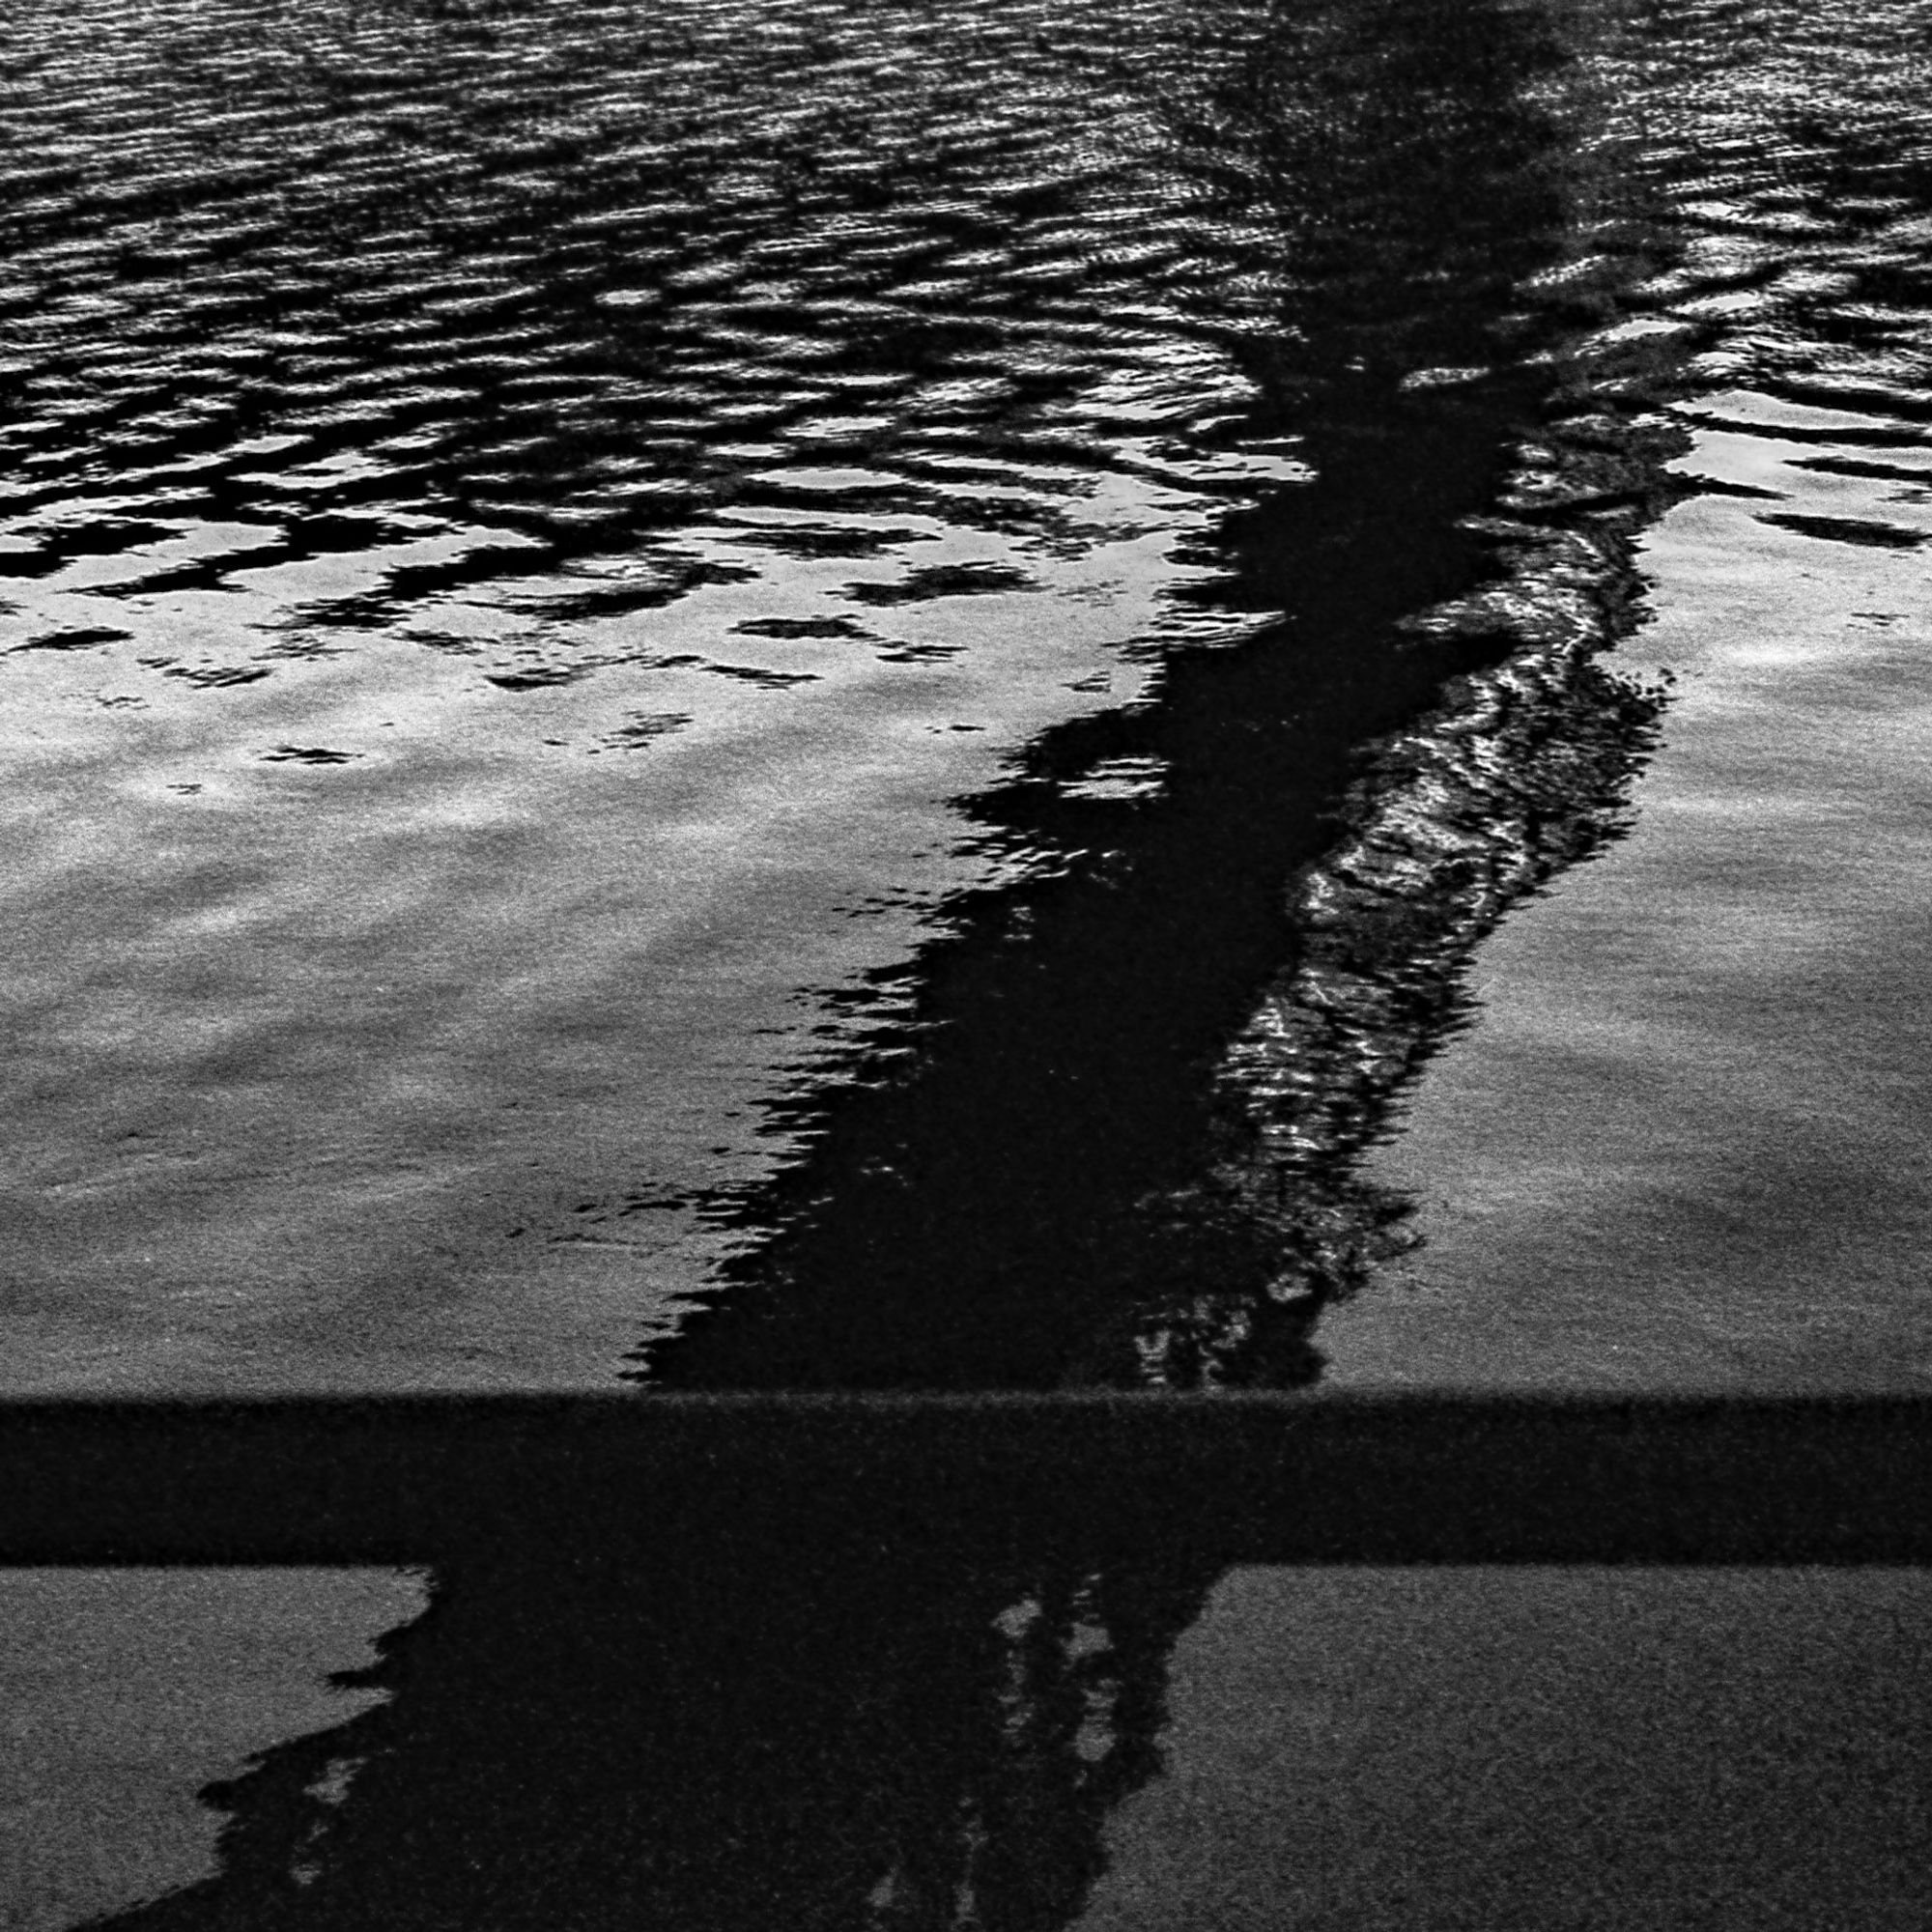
[829, 699]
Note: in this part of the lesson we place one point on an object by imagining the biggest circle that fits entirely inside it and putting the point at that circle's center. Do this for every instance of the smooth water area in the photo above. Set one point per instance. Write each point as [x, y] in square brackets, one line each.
[128, 1691]
[1578, 1747]
[839, 697]
[832, 1717]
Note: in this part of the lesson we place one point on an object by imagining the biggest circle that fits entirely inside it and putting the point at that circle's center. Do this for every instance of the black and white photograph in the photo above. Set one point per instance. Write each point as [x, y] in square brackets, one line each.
[966, 966]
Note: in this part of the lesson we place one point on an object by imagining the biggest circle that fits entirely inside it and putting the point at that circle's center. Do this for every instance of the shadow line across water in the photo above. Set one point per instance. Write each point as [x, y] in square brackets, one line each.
[715, 1660]
[1107, 1132]
[742, 1663]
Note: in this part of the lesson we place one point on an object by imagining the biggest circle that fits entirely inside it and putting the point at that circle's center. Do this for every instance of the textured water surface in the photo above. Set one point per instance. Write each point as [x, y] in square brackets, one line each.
[875, 671]
[515, 526]
[1683, 1144]
[870, 668]
[1586, 269]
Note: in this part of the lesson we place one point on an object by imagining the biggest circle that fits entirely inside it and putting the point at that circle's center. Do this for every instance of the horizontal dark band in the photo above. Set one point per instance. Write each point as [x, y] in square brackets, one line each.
[1261, 1478]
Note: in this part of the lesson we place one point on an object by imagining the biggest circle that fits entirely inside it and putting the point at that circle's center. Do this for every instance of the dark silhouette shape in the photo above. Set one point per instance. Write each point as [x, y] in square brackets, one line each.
[735, 1709]
[1059, 1175]
[804, 1715]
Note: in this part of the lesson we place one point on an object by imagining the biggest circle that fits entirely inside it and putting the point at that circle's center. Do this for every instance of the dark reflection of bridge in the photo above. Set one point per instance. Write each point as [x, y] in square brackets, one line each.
[767, 1710]
[749, 1663]
[1109, 1131]
[858, 1678]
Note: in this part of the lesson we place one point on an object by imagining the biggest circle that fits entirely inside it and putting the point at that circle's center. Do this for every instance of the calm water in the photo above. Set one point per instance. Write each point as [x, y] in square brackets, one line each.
[828, 697]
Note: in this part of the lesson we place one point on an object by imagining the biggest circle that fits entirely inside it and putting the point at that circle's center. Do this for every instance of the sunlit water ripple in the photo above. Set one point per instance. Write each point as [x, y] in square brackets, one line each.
[518, 524]
[515, 524]
[882, 665]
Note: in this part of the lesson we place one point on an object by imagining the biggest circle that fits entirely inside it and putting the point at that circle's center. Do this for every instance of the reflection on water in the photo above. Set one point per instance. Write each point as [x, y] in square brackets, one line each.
[1117, 1138]
[828, 1717]
[1117, 1142]
[687, 653]
[515, 525]
[1446, 270]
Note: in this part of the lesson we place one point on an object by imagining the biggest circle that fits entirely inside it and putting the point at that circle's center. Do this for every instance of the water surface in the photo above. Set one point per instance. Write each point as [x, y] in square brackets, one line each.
[1684, 1141]
[517, 527]
[1269, 428]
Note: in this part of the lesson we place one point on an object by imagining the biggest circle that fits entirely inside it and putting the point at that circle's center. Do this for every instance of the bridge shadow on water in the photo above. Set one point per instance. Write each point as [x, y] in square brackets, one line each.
[764, 1704]
[755, 1723]
[1105, 1129]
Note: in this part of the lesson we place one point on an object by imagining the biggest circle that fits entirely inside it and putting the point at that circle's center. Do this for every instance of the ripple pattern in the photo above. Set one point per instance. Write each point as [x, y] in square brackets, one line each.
[370, 317]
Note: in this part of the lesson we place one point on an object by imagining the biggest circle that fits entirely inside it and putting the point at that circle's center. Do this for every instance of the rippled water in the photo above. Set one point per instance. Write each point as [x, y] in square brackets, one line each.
[877, 668]
[1678, 234]
[869, 666]
[1684, 1143]
[516, 524]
